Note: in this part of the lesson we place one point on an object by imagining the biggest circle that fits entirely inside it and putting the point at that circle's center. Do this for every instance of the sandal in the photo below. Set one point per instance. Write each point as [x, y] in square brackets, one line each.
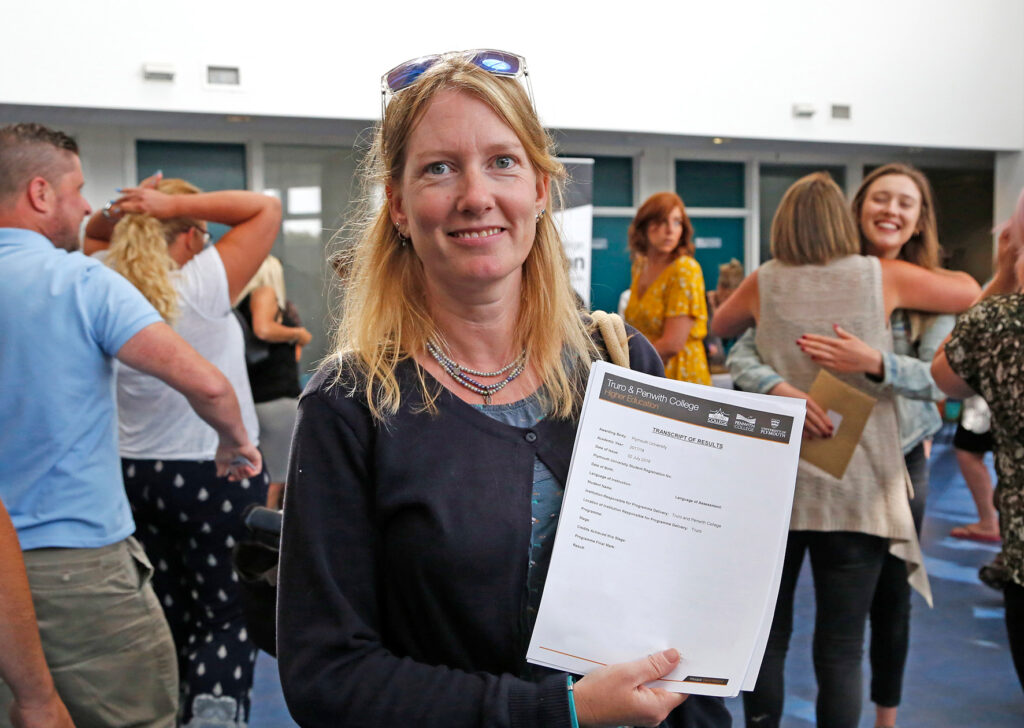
[971, 532]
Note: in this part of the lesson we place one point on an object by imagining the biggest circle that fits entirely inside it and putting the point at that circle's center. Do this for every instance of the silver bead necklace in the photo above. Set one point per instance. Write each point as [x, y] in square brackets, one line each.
[461, 374]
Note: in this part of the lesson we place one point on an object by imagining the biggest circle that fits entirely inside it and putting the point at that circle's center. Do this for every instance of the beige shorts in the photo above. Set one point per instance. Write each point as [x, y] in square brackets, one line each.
[104, 635]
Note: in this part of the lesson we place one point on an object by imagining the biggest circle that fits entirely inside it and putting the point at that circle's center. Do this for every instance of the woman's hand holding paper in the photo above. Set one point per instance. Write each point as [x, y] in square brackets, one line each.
[617, 694]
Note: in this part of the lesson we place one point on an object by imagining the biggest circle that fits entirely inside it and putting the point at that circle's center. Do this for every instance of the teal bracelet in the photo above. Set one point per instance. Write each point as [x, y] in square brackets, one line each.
[572, 702]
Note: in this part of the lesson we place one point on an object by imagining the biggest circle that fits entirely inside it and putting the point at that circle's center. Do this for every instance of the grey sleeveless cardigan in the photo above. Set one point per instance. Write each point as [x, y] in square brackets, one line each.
[872, 496]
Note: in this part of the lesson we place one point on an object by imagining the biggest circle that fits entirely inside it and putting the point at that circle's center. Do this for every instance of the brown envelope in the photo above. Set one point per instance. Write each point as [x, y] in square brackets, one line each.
[833, 455]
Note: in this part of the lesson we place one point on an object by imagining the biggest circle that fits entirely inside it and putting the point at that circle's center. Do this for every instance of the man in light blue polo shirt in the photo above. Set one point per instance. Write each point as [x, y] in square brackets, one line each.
[63, 319]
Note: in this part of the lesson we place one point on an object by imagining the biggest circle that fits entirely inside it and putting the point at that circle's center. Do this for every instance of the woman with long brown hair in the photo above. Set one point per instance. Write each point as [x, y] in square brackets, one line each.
[895, 214]
[667, 302]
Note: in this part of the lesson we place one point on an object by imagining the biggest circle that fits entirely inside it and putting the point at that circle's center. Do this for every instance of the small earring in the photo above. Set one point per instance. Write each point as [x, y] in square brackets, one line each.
[404, 241]
[541, 214]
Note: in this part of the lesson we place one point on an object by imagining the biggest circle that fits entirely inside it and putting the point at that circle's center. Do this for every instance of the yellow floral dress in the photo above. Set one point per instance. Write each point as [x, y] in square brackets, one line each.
[678, 291]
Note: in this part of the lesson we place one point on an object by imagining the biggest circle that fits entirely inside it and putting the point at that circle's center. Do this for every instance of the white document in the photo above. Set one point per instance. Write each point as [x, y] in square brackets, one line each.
[672, 531]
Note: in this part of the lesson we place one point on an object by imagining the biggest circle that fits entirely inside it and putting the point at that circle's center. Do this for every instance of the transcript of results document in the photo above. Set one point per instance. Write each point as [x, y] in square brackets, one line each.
[672, 531]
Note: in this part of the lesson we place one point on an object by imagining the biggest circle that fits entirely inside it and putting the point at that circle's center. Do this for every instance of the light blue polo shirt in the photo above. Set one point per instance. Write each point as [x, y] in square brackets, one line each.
[63, 317]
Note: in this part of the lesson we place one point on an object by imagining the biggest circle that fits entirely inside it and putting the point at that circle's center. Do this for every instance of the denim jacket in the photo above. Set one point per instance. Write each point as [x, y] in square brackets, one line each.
[907, 370]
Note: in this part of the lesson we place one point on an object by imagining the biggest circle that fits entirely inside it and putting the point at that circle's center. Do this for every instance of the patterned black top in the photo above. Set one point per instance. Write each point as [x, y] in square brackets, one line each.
[987, 350]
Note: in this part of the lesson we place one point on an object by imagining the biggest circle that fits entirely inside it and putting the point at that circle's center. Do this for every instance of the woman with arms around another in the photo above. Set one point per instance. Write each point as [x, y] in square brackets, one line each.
[817, 279]
[431, 450]
[187, 518]
[895, 215]
[667, 301]
[985, 355]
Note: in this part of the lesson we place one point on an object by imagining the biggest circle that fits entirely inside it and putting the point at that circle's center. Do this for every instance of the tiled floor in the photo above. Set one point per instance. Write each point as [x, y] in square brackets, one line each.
[959, 672]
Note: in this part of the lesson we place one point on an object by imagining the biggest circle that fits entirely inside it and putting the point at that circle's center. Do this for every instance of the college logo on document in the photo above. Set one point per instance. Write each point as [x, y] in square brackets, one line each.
[718, 417]
[775, 422]
[744, 423]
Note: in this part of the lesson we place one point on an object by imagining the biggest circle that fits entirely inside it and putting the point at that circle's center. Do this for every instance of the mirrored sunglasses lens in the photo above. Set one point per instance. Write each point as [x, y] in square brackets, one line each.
[497, 62]
[407, 73]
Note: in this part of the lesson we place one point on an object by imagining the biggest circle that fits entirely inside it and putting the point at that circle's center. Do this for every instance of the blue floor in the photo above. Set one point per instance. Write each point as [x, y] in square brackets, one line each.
[959, 672]
[268, 708]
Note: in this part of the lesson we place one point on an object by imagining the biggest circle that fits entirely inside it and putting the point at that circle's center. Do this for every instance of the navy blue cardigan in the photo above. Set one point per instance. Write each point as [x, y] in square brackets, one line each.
[402, 587]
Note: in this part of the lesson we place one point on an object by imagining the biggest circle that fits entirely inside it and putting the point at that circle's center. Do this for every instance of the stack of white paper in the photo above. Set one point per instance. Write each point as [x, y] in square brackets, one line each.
[672, 531]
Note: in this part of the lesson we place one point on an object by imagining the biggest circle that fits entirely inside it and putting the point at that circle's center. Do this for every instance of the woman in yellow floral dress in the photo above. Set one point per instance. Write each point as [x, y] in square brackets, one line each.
[666, 300]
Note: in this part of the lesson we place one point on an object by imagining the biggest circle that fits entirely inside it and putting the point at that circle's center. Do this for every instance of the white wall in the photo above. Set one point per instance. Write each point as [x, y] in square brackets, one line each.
[103, 152]
[1009, 182]
[927, 73]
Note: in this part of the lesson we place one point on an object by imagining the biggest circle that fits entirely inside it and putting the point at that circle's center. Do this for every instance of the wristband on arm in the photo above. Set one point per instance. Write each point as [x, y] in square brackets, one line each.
[572, 702]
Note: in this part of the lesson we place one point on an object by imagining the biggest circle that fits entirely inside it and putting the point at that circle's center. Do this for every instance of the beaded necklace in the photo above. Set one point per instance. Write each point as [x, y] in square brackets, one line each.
[461, 374]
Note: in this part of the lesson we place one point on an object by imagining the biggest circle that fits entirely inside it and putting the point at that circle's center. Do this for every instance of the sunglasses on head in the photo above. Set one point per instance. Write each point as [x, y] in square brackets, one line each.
[499, 63]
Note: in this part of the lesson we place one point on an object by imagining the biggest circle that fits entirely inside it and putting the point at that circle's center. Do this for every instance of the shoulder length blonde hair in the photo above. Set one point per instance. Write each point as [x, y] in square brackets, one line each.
[813, 224]
[385, 319]
[138, 251]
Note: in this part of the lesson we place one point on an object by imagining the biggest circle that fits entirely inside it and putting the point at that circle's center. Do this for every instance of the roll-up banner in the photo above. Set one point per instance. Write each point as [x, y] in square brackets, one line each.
[576, 222]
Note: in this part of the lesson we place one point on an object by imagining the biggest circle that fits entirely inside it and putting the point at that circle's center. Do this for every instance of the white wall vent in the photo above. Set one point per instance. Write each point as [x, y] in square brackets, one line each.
[223, 75]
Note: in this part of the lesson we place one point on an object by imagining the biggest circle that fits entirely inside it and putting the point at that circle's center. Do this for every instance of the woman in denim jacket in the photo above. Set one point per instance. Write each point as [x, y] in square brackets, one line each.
[895, 214]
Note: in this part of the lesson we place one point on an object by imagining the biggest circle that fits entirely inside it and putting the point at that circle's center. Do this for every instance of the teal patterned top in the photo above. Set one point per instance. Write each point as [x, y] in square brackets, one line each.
[545, 502]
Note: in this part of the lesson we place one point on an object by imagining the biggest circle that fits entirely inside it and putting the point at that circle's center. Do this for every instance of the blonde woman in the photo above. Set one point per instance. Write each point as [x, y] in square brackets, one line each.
[431, 451]
[818, 280]
[895, 214]
[274, 375]
[730, 275]
[187, 517]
